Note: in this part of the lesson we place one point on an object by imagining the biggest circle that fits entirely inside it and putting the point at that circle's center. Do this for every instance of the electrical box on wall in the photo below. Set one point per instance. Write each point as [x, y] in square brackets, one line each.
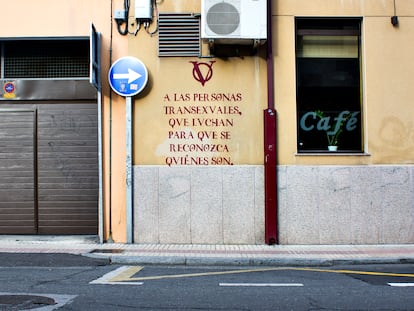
[143, 10]
[227, 20]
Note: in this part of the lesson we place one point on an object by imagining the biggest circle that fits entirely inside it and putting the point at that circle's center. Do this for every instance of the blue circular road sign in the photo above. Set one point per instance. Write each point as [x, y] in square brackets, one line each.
[128, 76]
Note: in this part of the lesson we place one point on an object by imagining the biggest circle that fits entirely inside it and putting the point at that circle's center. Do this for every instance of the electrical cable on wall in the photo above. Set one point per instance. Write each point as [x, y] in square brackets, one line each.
[120, 21]
[151, 33]
[138, 28]
[394, 18]
[144, 11]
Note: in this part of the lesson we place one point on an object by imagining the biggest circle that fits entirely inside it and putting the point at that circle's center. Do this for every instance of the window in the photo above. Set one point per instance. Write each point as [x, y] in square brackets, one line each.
[45, 59]
[328, 85]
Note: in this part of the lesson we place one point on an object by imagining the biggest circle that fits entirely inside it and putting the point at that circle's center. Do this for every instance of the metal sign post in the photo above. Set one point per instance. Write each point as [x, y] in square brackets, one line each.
[127, 77]
[128, 135]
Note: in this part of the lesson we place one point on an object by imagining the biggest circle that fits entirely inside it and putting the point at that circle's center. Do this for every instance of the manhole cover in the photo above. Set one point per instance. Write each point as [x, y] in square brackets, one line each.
[24, 302]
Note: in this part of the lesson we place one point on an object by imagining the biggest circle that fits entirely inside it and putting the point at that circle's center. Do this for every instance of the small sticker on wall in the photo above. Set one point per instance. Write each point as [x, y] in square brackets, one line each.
[9, 89]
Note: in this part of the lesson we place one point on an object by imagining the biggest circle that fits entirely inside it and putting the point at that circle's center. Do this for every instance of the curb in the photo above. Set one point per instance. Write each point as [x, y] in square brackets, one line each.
[236, 261]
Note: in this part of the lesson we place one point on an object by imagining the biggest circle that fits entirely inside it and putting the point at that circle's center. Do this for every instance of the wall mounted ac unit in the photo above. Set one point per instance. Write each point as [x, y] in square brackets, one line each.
[233, 19]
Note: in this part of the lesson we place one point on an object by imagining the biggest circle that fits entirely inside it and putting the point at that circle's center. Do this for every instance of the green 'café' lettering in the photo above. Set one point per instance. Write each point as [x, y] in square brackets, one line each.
[307, 122]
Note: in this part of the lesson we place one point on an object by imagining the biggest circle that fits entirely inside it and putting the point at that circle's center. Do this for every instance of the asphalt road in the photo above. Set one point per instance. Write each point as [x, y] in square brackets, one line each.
[67, 282]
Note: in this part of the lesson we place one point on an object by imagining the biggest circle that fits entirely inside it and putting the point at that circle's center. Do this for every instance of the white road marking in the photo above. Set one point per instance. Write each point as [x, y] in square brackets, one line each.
[401, 284]
[262, 284]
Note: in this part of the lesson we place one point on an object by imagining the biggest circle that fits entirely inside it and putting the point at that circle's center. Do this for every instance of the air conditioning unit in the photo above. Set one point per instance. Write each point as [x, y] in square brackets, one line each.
[233, 20]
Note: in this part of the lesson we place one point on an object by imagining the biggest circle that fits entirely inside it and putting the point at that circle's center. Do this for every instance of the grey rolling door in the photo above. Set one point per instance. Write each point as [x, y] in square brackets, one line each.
[17, 171]
[67, 168]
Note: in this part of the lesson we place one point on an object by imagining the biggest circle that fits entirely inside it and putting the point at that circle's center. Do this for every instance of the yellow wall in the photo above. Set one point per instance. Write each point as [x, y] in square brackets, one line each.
[389, 92]
[172, 84]
[53, 18]
[72, 18]
[387, 68]
[114, 136]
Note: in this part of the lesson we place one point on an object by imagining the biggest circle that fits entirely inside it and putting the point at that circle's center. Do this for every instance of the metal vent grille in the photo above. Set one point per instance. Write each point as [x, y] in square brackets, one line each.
[179, 35]
[46, 59]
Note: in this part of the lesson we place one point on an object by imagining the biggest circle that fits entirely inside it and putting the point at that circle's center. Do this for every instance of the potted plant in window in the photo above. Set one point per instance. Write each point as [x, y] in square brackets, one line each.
[332, 135]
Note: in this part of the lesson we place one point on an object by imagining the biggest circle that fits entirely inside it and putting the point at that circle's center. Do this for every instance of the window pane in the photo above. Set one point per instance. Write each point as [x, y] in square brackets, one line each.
[328, 89]
[328, 46]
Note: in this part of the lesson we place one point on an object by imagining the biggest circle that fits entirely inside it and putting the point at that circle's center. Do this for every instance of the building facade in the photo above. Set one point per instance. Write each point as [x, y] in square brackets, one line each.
[292, 128]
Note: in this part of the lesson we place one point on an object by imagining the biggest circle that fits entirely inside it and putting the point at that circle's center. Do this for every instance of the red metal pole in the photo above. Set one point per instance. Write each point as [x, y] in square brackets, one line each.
[270, 176]
[270, 146]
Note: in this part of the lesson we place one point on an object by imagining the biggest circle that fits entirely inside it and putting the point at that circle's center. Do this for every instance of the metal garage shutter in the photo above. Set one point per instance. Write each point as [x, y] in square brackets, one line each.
[67, 168]
[17, 171]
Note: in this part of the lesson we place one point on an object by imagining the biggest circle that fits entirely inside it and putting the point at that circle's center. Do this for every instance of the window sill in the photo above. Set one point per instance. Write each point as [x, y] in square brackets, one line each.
[333, 153]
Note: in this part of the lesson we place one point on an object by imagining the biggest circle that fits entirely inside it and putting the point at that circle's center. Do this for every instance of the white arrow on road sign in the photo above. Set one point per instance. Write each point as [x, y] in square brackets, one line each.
[131, 75]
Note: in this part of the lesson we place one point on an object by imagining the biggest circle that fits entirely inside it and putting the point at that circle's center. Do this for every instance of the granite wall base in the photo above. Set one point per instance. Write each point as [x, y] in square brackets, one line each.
[198, 205]
[316, 204]
[346, 204]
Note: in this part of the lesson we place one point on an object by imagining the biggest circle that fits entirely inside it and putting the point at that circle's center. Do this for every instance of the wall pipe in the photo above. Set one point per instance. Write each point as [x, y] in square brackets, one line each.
[270, 144]
[110, 240]
[270, 64]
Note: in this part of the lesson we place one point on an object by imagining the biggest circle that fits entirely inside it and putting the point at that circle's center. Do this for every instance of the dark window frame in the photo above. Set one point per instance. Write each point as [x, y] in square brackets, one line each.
[328, 87]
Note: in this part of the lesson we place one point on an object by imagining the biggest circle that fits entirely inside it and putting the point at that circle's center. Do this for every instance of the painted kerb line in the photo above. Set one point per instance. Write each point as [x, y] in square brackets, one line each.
[401, 284]
[261, 284]
[124, 275]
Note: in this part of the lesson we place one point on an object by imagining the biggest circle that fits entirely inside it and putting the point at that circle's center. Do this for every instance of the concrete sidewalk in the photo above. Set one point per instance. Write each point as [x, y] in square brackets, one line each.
[278, 255]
